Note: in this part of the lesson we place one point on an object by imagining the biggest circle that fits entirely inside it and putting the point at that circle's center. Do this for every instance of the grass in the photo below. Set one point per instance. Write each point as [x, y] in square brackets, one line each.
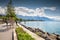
[22, 35]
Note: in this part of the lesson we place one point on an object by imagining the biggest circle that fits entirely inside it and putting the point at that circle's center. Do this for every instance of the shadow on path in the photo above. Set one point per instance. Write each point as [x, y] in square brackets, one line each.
[6, 28]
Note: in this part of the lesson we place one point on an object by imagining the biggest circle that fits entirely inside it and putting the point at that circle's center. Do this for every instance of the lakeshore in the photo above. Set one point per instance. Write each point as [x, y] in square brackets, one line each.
[35, 33]
[46, 26]
[45, 35]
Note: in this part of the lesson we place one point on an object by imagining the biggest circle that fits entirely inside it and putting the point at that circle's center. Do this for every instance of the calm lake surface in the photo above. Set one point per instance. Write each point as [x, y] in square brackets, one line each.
[47, 26]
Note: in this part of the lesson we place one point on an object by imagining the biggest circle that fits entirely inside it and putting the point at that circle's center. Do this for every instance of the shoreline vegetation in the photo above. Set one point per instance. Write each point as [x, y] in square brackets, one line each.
[45, 35]
[22, 35]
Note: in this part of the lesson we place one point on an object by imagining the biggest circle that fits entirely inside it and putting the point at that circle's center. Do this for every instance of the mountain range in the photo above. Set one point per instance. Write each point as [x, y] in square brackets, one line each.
[34, 18]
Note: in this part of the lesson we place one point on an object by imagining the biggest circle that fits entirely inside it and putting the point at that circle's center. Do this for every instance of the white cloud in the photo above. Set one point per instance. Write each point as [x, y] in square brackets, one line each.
[36, 12]
[51, 8]
[24, 11]
[32, 12]
[2, 10]
[29, 12]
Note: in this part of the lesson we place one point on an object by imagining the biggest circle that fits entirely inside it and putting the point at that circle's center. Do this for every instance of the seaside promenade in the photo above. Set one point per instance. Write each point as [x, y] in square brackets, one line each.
[6, 33]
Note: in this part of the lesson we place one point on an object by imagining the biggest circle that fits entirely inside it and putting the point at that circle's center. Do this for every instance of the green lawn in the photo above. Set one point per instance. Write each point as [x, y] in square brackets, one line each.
[22, 35]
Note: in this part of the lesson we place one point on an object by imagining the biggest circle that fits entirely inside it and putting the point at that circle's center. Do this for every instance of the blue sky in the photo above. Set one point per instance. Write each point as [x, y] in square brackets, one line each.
[36, 5]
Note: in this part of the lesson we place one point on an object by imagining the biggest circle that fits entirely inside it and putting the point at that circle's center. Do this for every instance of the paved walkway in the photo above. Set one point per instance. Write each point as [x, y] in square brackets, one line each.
[5, 32]
[36, 37]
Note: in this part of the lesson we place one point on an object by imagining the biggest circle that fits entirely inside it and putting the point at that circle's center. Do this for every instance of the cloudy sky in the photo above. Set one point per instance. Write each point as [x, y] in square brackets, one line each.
[46, 8]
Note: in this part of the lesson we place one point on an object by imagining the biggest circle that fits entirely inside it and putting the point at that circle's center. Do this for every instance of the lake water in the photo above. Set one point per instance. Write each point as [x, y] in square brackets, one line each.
[47, 26]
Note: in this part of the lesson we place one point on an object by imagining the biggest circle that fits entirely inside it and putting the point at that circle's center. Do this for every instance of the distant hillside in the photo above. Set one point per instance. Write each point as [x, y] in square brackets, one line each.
[34, 18]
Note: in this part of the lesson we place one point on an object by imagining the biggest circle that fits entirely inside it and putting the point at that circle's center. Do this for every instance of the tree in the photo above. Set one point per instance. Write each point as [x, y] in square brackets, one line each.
[11, 16]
